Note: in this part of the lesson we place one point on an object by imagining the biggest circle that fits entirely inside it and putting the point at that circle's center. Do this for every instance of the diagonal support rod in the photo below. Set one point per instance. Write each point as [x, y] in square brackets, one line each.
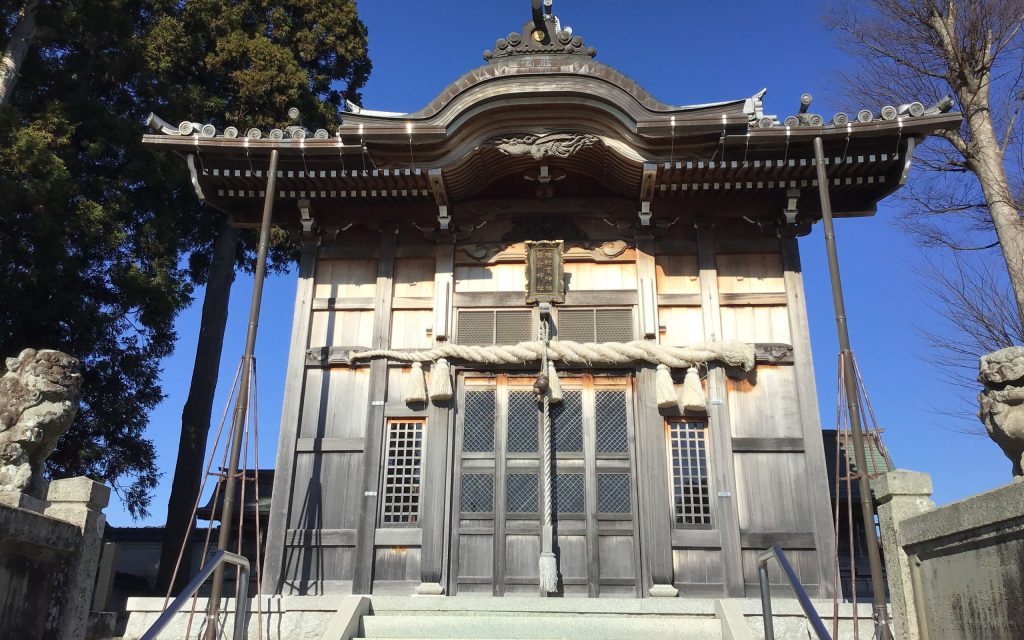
[881, 612]
[242, 402]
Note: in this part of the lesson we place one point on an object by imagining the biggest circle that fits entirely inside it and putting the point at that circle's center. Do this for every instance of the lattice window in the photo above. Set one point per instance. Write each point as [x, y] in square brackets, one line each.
[691, 493]
[495, 327]
[611, 428]
[613, 493]
[477, 493]
[569, 496]
[513, 327]
[404, 445]
[478, 422]
[521, 493]
[613, 325]
[595, 325]
[567, 422]
[522, 422]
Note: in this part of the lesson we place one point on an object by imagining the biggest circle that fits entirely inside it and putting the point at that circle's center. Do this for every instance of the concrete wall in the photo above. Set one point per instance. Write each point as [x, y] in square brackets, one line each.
[958, 569]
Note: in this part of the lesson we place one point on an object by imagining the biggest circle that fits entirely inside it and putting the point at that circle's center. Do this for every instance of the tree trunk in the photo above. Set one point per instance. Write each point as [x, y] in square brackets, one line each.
[988, 164]
[195, 417]
[21, 37]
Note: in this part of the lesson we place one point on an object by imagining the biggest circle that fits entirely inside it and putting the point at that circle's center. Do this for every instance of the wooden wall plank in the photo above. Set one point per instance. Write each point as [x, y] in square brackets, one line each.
[330, 445]
[772, 492]
[505, 276]
[435, 510]
[677, 274]
[768, 445]
[345, 278]
[336, 328]
[652, 461]
[681, 325]
[807, 396]
[765, 404]
[398, 536]
[750, 273]
[724, 475]
[411, 329]
[414, 278]
[290, 414]
[320, 537]
[762, 540]
[362, 576]
[756, 324]
[600, 276]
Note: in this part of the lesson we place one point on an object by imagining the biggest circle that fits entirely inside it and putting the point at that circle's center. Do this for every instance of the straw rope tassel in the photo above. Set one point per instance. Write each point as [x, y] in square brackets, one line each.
[693, 394]
[555, 386]
[415, 390]
[547, 564]
[440, 381]
[664, 389]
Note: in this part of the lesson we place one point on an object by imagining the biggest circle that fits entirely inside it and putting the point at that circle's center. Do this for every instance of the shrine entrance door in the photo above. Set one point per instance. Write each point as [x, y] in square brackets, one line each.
[498, 513]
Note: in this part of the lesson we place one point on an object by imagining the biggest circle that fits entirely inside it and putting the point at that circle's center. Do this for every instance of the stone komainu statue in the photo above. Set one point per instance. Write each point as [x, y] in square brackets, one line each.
[1002, 402]
[38, 400]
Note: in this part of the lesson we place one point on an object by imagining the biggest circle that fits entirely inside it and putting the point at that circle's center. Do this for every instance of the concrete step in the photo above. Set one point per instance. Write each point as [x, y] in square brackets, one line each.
[470, 605]
[542, 626]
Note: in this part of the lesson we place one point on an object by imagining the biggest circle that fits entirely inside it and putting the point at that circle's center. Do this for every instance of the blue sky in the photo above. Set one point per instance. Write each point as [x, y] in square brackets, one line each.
[683, 53]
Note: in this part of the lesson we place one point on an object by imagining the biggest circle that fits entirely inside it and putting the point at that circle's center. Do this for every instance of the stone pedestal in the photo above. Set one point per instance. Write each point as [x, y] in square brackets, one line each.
[80, 501]
[901, 494]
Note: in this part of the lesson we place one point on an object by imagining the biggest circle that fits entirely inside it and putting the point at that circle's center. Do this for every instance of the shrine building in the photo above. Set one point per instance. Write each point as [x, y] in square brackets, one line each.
[549, 322]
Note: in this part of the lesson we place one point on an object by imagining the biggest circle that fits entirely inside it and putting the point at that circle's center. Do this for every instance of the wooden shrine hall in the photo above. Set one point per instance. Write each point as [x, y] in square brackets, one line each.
[549, 323]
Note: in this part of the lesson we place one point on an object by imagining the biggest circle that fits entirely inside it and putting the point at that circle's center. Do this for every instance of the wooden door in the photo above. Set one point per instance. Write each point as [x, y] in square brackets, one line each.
[496, 542]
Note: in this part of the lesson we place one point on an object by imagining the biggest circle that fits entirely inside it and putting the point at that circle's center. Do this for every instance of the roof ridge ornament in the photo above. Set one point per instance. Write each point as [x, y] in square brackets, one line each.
[541, 35]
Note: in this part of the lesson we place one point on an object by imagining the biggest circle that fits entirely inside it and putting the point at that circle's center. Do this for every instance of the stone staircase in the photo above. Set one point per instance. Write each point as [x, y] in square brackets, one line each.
[539, 619]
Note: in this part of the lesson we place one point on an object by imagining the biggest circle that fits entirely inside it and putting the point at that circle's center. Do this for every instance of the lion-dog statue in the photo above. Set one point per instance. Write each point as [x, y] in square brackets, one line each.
[39, 397]
[1001, 403]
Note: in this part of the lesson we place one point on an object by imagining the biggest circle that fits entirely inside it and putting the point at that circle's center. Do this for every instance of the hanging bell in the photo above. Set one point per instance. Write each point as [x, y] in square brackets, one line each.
[541, 385]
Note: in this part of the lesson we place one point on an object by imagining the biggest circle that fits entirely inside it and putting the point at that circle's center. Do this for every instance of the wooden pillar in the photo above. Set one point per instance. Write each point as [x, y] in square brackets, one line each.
[652, 463]
[295, 383]
[722, 466]
[434, 480]
[807, 396]
[362, 574]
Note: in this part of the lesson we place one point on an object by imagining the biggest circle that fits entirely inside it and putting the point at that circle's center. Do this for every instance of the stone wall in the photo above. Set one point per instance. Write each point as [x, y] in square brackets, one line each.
[49, 553]
[955, 572]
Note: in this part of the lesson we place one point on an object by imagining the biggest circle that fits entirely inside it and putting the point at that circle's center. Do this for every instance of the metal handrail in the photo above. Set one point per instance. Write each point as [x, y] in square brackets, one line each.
[241, 603]
[801, 594]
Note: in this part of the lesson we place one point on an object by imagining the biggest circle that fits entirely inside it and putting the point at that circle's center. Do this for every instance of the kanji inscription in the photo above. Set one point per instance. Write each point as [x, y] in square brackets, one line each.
[544, 282]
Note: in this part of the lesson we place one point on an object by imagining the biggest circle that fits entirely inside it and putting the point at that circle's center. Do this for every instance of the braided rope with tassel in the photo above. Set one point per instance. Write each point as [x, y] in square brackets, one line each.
[547, 564]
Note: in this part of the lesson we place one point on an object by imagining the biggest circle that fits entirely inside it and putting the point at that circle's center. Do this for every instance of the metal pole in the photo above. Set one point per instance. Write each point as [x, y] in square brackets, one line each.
[852, 403]
[766, 600]
[242, 401]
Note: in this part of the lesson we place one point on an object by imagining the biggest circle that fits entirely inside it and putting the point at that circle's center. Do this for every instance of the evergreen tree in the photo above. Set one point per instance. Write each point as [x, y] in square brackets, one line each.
[90, 235]
[95, 226]
[245, 64]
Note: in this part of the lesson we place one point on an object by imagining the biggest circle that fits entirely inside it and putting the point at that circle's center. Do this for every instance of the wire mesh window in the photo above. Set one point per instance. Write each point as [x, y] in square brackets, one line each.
[495, 327]
[477, 493]
[522, 422]
[567, 420]
[691, 493]
[478, 422]
[613, 493]
[611, 429]
[521, 493]
[569, 496]
[401, 502]
[595, 325]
